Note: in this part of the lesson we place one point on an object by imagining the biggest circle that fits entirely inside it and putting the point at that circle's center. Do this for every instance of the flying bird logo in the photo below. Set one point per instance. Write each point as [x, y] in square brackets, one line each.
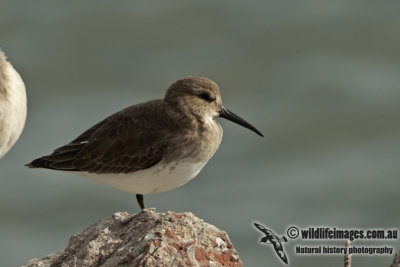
[274, 240]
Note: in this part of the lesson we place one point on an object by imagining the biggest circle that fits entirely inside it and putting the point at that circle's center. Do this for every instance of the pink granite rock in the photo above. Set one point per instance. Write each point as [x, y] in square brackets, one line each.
[146, 239]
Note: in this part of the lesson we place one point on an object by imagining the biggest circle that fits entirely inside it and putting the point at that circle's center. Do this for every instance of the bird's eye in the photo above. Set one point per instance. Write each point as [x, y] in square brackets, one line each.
[207, 97]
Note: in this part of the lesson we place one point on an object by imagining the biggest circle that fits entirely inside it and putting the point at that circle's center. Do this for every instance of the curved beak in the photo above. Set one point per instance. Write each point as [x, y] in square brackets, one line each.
[229, 115]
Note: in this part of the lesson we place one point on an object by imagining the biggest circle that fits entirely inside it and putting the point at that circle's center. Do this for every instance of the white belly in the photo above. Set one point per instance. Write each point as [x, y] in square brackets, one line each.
[159, 178]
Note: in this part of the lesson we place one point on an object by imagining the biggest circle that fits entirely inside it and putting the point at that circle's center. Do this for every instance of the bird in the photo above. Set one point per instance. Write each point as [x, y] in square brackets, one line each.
[274, 240]
[13, 105]
[150, 147]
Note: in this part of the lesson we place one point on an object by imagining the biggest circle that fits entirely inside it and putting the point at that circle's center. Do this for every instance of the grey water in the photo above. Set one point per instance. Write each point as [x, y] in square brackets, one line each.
[320, 79]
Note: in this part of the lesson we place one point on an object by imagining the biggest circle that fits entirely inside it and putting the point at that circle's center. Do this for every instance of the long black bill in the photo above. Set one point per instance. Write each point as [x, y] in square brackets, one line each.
[229, 115]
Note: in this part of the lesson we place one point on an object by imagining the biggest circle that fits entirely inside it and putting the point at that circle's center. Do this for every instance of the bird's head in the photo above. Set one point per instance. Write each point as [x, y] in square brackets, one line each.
[201, 97]
[195, 95]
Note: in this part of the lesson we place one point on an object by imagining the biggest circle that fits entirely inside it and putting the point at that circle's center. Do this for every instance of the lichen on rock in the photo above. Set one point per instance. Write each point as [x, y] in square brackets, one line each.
[146, 239]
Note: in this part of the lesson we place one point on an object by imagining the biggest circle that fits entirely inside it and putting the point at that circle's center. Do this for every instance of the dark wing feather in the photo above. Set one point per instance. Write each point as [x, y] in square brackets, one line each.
[279, 250]
[263, 229]
[127, 141]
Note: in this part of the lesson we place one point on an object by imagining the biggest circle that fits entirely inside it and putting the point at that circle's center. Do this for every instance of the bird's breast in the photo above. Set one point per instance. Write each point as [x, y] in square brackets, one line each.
[199, 145]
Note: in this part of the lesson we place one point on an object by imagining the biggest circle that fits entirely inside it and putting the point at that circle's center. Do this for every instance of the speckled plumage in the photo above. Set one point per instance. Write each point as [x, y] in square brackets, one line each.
[150, 147]
[140, 136]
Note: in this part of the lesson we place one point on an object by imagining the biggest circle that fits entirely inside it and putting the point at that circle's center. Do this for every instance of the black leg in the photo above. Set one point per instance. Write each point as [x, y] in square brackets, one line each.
[140, 200]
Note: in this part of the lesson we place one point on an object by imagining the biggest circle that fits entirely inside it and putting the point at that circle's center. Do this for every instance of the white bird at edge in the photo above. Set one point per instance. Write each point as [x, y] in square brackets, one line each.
[12, 105]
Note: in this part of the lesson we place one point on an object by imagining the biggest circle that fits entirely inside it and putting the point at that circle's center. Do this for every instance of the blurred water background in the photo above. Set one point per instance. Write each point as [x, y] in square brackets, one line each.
[319, 78]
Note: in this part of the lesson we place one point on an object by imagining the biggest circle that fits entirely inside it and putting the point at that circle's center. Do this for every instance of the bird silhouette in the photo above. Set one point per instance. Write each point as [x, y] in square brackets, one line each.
[271, 238]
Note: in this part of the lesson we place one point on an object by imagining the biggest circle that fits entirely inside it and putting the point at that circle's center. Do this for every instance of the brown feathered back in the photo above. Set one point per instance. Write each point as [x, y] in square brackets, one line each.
[115, 145]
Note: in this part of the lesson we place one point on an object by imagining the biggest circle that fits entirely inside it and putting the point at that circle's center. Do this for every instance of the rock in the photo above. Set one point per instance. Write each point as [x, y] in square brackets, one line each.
[146, 239]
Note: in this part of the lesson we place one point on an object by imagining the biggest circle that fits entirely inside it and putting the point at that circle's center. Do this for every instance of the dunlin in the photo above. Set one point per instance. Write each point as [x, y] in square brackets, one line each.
[12, 105]
[150, 147]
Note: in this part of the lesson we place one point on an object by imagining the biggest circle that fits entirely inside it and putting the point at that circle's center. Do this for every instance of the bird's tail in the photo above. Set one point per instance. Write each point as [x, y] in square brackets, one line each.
[39, 163]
